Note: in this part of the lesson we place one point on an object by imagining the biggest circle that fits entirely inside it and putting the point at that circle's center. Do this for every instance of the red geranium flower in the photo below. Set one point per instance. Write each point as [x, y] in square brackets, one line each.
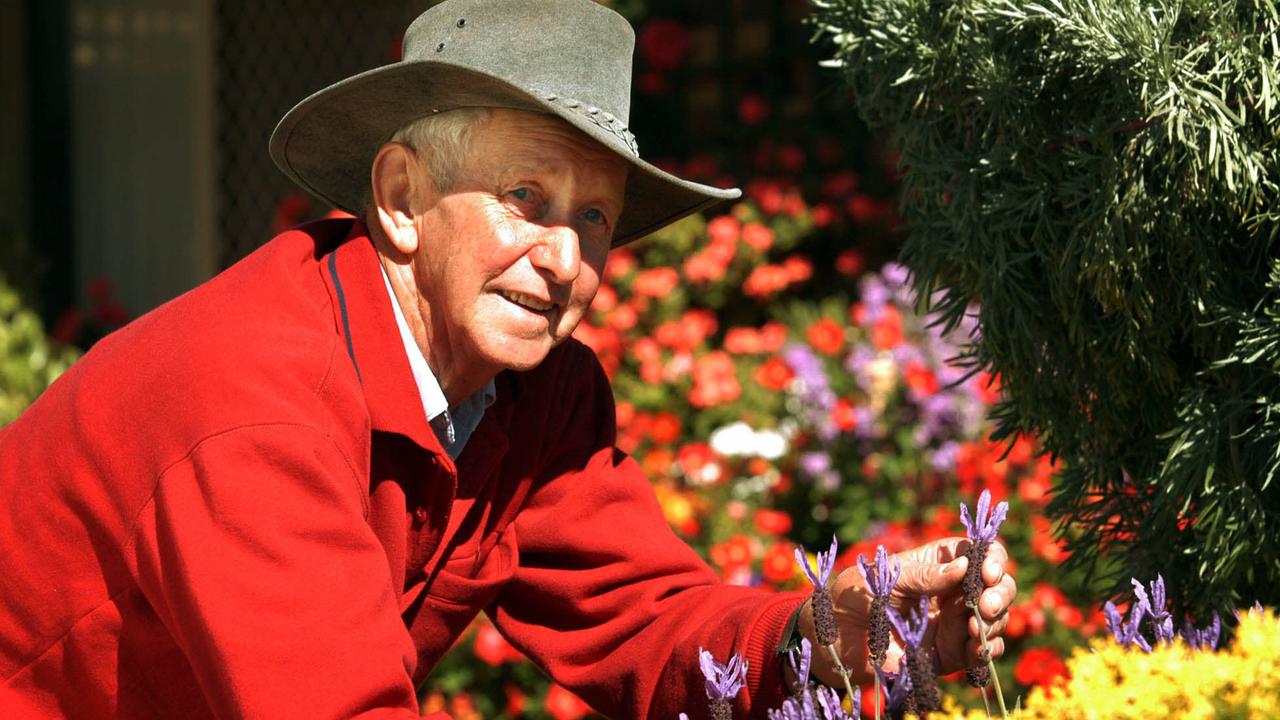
[779, 563]
[663, 43]
[564, 705]
[843, 415]
[757, 236]
[492, 648]
[826, 336]
[655, 282]
[774, 374]
[773, 522]
[1040, 666]
[766, 280]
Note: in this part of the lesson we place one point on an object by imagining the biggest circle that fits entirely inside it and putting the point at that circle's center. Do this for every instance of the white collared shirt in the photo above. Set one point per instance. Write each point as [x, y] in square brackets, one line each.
[452, 428]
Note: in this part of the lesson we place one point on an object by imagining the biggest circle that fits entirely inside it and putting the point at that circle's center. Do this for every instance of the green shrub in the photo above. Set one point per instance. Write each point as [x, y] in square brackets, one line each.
[1100, 176]
[29, 361]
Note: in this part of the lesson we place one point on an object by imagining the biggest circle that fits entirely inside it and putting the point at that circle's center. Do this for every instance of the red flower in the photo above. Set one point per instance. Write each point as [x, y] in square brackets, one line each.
[655, 282]
[757, 236]
[773, 522]
[864, 208]
[515, 700]
[843, 415]
[826, 336]
[663, 43]
[1040, 666]
[752, 109]
[742, 341]
[665, 429]
[779, 563]
[920, 380]
[714, 380]
[798, 268]
[564, 705]
[1044, 544]
[773, 335]
[693, 457]
[766, 280]
[849, 263]
[620, 264]
[887, 331]
[774, 374]
[492, 648]
[703, 267]
[724, 229]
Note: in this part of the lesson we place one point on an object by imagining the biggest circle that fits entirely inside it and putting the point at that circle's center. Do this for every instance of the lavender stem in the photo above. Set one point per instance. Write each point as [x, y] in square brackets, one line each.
[844, 674]
[991, 664]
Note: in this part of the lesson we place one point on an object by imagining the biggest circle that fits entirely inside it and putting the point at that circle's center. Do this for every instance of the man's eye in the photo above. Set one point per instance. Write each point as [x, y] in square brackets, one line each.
[523, 194]
[594, 216]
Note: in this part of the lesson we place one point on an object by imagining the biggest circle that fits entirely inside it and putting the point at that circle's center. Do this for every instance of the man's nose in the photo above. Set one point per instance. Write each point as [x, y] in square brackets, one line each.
[557, 253]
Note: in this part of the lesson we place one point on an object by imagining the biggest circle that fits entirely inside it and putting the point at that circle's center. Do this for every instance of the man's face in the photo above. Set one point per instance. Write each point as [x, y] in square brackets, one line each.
[511, 257]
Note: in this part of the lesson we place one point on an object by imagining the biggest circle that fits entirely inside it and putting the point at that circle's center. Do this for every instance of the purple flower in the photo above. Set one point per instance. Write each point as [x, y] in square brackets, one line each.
[899, 685]
[1161, 620]
[799, 661]
[983, 529]
[723, 681]
[815, 463]
[1127, 633]
[826, 561]
[882, 577]
[911, 629]
[1206, 639]
[832, 709]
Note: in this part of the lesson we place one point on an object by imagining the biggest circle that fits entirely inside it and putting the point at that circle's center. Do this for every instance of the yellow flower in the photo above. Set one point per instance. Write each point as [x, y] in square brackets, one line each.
[1110, 682]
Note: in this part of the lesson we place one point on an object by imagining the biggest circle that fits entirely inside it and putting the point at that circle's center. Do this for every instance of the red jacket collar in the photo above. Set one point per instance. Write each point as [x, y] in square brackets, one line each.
[372, 341]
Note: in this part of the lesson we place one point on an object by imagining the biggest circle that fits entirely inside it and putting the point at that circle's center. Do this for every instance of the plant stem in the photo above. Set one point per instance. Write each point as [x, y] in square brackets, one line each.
[844, 674]
[991, 664]
[877, 679]
[986, 704]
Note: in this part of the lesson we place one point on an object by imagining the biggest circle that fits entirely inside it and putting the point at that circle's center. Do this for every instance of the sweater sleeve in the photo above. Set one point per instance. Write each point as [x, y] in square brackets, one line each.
[254, 553]
[610, 601]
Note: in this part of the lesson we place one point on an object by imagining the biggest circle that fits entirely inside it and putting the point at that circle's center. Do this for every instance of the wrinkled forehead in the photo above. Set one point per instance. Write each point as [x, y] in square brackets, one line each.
[516, 141]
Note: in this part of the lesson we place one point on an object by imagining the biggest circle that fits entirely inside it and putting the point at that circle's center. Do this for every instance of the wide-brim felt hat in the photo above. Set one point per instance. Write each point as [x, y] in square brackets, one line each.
[568, 58]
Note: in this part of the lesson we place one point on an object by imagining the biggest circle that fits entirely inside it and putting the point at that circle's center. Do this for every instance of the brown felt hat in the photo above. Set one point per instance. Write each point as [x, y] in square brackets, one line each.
[568, 58]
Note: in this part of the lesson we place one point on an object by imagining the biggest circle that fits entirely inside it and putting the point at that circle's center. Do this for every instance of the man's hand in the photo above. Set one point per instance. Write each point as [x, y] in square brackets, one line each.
[937, 570]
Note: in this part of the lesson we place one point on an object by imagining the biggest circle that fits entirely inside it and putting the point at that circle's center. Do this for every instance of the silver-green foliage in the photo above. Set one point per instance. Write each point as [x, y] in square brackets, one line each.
[1102, 177]
[29, 362]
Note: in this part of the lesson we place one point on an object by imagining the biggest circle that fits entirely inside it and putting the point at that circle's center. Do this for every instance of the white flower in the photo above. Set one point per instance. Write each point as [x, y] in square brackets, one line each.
[738, 439]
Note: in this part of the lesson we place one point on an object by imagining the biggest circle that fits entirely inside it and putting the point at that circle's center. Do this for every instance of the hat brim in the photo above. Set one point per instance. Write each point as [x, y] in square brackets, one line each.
[327, 142]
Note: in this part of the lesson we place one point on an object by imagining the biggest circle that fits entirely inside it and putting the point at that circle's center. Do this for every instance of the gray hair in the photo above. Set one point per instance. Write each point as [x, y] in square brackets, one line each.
[445, 138]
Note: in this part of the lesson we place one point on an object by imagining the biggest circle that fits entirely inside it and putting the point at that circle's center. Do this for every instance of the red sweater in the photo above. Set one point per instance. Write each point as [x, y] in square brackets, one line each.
[235, 507]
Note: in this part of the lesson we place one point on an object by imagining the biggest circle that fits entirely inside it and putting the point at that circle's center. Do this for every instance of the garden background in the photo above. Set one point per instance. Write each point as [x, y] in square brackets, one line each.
[772, 375]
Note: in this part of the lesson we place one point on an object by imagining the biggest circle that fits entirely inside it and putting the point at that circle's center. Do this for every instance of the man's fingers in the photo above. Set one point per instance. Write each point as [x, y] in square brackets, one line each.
[993, 566]
[924, 578]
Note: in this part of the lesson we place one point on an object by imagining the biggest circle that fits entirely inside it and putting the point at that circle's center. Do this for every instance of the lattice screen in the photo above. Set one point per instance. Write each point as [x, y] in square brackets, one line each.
[270, 55]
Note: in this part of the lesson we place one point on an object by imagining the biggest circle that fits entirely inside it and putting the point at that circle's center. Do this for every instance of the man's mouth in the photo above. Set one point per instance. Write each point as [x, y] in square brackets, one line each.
[527, 301]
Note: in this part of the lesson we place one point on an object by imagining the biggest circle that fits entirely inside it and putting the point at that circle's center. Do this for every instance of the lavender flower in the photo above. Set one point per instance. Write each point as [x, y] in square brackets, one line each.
[1206, 639]
[799, 661]
[723, 682]
[1161, 620]
[917, 659]
[824, 616]
[899, 687]
[833, 709]
[1127, 633]
[880, 581]
[982, 532]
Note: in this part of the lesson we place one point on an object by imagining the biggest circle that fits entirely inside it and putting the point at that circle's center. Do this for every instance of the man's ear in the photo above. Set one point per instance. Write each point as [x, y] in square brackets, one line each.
[397, 181]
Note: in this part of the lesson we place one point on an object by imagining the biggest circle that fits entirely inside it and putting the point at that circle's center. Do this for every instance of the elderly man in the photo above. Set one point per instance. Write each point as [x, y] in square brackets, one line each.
[286, 493]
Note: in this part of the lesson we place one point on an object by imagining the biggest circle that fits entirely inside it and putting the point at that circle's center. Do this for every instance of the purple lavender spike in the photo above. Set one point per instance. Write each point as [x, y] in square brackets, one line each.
[883, 576]
[723, 680]
[1206, 639]
[832, 709]
[826, 561]
[801, 668]
[911, 628]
